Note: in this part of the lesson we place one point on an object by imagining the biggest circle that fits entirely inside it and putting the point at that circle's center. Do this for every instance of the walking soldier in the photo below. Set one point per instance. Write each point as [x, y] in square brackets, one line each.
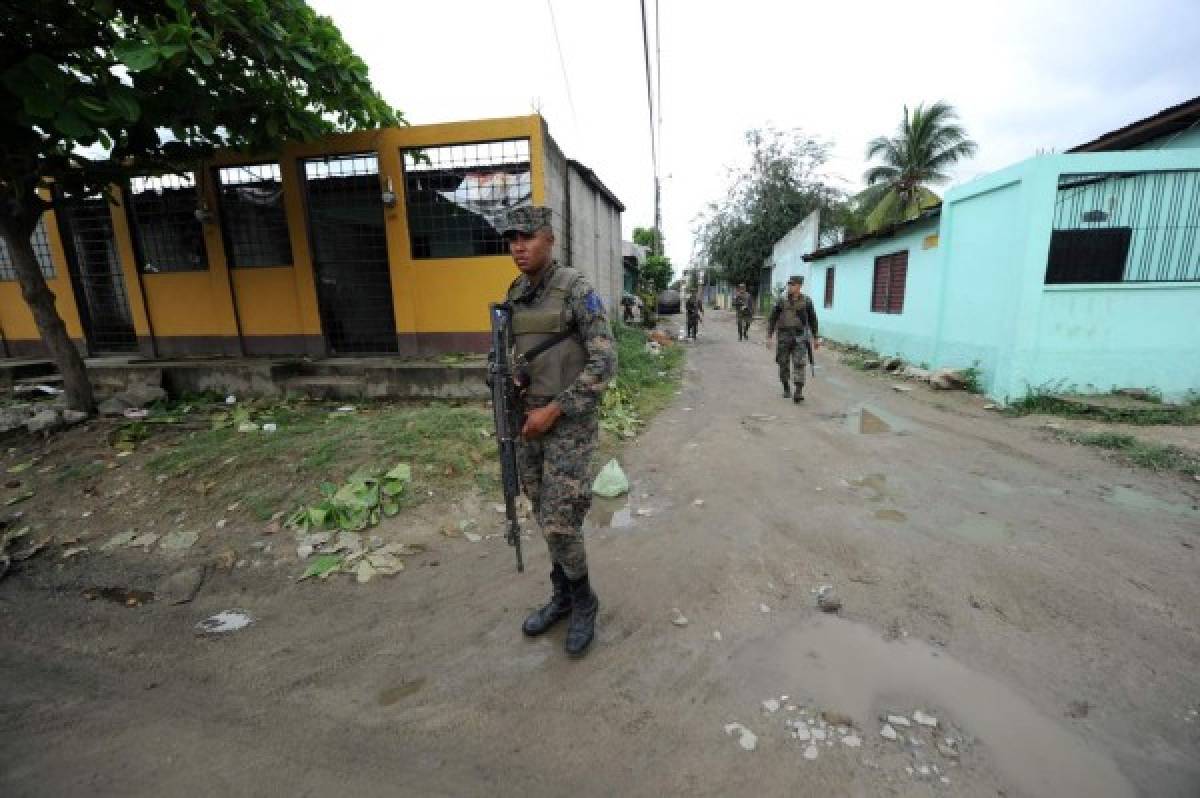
[796, 320]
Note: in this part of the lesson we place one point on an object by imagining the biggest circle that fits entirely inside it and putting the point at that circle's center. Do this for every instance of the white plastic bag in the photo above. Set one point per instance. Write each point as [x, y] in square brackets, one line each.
[611, 481]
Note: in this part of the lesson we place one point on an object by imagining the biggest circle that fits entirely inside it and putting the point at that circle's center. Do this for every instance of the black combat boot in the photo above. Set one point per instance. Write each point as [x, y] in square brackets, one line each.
[787, 392]
[584, 606]
[798, 394]
[559, 607]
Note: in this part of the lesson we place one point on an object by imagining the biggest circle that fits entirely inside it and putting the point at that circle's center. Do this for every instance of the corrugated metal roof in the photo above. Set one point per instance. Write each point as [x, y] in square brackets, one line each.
[866, 238]
[1169, 120]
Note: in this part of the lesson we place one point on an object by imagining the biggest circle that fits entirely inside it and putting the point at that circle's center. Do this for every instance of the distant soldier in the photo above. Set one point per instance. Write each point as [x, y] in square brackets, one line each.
[695, 311]
[796, 320]
[627, 303]
[743, 305]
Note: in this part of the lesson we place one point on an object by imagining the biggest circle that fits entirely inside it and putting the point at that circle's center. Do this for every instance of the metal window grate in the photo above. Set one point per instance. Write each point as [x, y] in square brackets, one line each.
[88, 235]
[253, 219]
[349, 245]
[456, 195]
[168, 234]
[41, 250]
[1126, 227]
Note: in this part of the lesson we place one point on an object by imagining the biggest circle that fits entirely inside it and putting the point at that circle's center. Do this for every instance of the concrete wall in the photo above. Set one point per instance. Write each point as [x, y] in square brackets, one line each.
[909, 334]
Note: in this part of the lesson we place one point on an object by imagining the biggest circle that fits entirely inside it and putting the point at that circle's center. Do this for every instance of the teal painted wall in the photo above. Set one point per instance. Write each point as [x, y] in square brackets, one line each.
[850, 320]
[980, 296]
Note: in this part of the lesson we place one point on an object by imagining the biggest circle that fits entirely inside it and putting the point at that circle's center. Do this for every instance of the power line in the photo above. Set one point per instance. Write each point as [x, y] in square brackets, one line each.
[649, 89]
[562, 65]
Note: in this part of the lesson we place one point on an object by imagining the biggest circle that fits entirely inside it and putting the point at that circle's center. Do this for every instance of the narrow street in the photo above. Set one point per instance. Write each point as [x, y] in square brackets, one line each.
[1041, 602]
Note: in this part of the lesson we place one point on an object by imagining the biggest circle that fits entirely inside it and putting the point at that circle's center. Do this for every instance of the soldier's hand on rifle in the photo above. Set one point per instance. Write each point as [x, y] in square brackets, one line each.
[540, 420]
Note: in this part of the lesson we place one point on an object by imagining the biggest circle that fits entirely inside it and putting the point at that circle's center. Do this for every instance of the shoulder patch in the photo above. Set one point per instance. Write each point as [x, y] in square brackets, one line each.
[593, 302]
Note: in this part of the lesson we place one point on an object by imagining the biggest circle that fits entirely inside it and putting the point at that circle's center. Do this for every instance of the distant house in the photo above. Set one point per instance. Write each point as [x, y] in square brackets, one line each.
[633, 258]
[1078, 271]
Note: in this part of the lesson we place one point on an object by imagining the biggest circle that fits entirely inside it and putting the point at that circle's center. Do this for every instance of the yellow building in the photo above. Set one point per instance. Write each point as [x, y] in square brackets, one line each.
[368, 243]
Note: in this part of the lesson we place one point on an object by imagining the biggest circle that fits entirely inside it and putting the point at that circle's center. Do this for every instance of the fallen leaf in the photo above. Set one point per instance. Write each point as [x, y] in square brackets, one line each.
[322, 566]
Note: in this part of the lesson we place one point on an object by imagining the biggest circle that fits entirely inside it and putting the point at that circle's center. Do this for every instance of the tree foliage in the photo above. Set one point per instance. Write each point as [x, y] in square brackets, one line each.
[782, 185]
[650, 238]
[93, 91]
[658, 271]
[927, 143]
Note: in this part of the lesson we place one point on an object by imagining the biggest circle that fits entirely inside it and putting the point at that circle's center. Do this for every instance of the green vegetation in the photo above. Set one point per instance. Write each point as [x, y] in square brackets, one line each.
[644, 385]
[314, 444]
[1154, 412]
[972, 377]
[1155, 456]
[927, 143]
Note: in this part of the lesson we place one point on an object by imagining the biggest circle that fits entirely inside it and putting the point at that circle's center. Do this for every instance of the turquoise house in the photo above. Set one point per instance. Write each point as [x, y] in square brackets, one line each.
[1076, 272]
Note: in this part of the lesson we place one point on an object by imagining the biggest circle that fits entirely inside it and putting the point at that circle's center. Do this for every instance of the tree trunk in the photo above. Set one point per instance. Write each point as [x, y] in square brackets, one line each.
[16, 232]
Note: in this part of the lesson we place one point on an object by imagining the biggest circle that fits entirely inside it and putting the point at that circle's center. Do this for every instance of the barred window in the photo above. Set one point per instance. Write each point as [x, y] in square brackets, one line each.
[252, 215]
[168, 235]
[41, 250]
[457, 194]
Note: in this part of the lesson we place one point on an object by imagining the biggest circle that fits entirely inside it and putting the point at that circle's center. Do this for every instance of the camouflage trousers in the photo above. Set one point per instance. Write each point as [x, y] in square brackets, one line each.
[556, 473]
[743, 324]
[792, 356]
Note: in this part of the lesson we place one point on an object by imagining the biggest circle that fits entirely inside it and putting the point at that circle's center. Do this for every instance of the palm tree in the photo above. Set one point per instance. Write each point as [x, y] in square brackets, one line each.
[928, 142]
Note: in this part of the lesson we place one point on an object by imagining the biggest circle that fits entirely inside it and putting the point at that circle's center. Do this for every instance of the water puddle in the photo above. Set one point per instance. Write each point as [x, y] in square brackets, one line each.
[981, 530]
[873, 483]
[890, 515]
[1131, 499]
[867, 419]
[394, 695]
[611, 513]
[119, 595]
[851, 669]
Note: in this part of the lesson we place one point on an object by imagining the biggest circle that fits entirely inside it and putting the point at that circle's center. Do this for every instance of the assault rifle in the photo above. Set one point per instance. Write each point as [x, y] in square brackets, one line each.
[506, 410]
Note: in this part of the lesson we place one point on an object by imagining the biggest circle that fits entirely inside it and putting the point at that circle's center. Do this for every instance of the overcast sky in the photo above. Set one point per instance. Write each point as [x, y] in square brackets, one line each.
[1026, 75]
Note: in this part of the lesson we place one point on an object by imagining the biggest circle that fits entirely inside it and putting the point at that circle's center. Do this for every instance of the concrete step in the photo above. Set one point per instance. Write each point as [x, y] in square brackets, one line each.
[326, 387]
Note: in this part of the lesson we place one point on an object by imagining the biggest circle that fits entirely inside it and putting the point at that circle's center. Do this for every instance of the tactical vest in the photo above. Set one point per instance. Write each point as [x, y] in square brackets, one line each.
[554, 370]
[794, 315]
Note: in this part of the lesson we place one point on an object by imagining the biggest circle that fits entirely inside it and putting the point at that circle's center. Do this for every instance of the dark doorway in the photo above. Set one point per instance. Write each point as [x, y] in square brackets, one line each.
[96, 275]
[349, 249]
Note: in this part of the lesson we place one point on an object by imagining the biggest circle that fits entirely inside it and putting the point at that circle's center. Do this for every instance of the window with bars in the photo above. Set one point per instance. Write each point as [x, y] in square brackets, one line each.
[41, 250]
[167, 232]
[1129, 227]
[829, 287]
[458, 194]
[253, 219]
[888, 283]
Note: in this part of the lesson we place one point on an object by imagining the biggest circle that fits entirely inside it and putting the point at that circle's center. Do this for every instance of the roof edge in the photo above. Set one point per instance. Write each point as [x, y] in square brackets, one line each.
[592, 180]
[882, 233]
[1169, 120]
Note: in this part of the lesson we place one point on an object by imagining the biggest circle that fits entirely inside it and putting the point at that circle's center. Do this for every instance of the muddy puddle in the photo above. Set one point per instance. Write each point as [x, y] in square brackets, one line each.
[868, 419]
[848, 667]
[119, 595]
[1134, 500]
[394, 695]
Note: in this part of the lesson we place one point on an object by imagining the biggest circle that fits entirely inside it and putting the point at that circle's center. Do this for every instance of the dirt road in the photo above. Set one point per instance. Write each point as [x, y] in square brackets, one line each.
[1040, 602]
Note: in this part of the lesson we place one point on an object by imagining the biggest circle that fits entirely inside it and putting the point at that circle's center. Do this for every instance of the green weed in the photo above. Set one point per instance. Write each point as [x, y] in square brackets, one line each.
[1154, 456]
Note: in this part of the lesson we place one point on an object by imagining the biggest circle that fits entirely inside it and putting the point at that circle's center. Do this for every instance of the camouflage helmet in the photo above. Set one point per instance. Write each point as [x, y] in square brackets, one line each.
[527, 219]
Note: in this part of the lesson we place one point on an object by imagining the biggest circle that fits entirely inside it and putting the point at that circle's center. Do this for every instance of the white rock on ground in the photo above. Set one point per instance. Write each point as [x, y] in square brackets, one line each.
[747, 739]
[899, 720]
[810, 753]
[771, 705]
[852, 741]
[887, 732]
[925, 720]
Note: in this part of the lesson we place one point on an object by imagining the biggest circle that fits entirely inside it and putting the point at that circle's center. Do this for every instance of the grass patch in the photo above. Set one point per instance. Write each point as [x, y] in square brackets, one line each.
[1154, 456]
[272, 472]
[1153, 413]
[644, 385]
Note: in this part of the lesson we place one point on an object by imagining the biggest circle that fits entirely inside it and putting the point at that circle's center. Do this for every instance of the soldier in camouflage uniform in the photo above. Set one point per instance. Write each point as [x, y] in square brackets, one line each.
[796, 320]
[743, 306]
[561, 402]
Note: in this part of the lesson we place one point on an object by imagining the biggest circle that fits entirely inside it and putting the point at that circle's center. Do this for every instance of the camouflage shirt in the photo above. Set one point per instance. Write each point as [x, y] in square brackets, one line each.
[587, 315]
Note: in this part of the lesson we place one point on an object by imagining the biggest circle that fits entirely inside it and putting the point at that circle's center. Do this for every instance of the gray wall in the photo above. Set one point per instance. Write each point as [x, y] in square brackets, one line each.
[587, 226]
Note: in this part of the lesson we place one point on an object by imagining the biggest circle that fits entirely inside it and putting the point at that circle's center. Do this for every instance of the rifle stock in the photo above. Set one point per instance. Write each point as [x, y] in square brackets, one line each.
[506, 413]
